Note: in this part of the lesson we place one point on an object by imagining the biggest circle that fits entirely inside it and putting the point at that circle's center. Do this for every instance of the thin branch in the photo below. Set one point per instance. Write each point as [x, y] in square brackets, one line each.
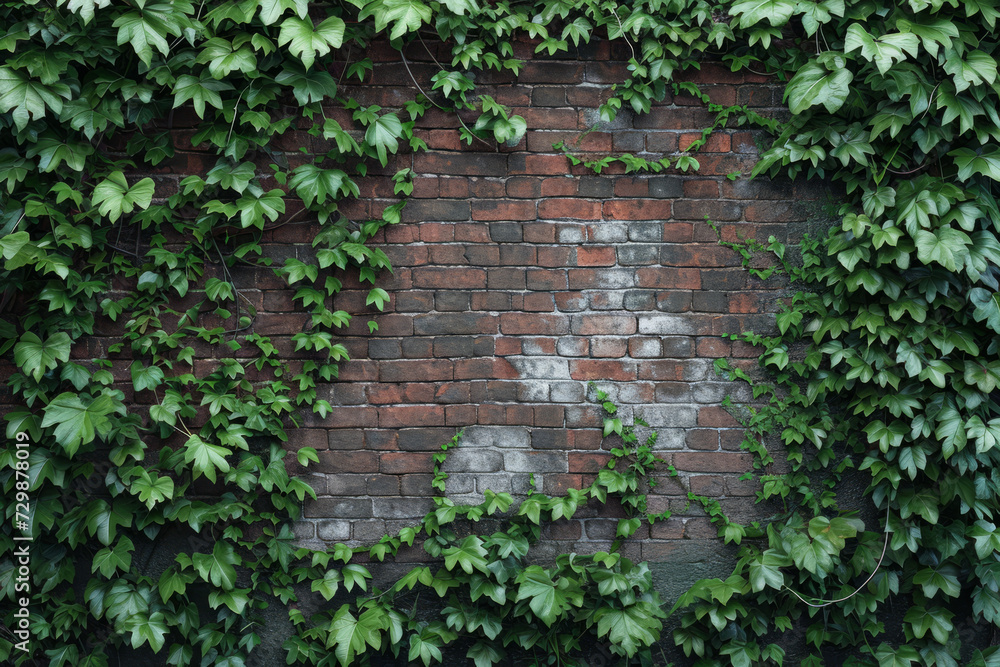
[826, 603]
[414, 80]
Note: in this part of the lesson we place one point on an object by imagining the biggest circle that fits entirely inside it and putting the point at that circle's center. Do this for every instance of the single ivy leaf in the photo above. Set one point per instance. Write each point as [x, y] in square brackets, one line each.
[35, 358]
[945, 246]
[85, 8]
[110, 560]
[406, 15]
[351, 636]
[28, 99]
[103, 520]
[205, 458]
[384, 135]
[217, 567]
[629, 628]
[307, 41]
[974, 69]
[813, 85]
[77, 423]
[884, 50]
[114, 197]
[147, 29]
[753, 12]
[470, 555]
[328, 585]
[484, 654]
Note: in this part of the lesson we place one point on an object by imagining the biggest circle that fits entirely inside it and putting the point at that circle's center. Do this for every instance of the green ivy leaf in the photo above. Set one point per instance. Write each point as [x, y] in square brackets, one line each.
[147, 29]
[110, 560]
[814, 84]
[752, 12]
[35, 358]
[351, 636]
[470, 555]
[629, 628]
[205, 458]
[28, 99]
[201, 91]
[77, 423]
[218, 566]
[308, 41]
[406, 15]
[114, 197]
[384, 135]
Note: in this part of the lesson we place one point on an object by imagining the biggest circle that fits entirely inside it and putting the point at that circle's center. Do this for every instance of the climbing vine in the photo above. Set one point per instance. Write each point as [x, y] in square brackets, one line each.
[885, 364]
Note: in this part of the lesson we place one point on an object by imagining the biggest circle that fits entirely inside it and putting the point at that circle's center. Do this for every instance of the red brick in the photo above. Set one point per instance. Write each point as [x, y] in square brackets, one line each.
[560, 186]
[637, 209]
[397, 463]
[669, 278]
[608, 348]
[546, 279]
[549, 415]
[743, 302]
[577, 209]
[436, 232]
[516, 323]
[454, 187]
[595, 256]
[716, 416]
[701, 189]
[539, 232]
[449, 278]
[678, 232]
[589, 325]
[460, 415]
[411, 415]
[353, 417]
[416, 370]
[544, 164]
[553, 256]
[587, 461]
[718, 142]
[589, 369]
[524, 186]
[472, 233]
[707, 485]
[713, 348]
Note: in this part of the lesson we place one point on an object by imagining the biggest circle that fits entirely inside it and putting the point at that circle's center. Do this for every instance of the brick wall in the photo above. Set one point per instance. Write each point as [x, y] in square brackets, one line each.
[518, 279]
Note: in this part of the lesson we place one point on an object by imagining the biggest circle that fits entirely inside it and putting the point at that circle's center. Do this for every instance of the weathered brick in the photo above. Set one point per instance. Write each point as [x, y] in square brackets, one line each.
[576, 209]
[416, 370]
[478, 164]
[712, 461]
[344, 508]
[473, 460]
[449, 278]
[435, 209]
[595, 256]
[590, 369]
[503, 209]
[397, 463]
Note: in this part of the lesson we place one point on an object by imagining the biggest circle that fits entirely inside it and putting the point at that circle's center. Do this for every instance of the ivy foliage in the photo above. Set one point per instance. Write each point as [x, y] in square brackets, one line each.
[145, 445]
[886, 365]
